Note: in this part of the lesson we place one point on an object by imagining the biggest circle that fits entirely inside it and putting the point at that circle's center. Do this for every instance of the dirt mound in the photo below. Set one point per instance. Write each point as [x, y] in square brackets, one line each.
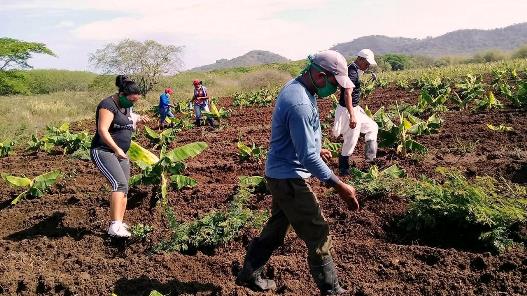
[57, 244]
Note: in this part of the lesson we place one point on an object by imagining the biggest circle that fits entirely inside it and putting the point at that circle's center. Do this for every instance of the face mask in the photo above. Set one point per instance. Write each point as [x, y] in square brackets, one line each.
[125, 102]
[325, 91]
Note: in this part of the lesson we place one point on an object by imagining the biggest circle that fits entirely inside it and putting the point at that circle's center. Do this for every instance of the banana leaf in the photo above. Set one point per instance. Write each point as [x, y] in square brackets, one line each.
[43, 181]
[414, 146]
[252, 181]
[180, 181]
[186, 151]
[18, 181]
[151, 134]
[141, 156]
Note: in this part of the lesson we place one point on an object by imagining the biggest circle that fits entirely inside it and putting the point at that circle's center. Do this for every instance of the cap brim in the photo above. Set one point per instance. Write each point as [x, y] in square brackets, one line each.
[372, 62]
[344, 81]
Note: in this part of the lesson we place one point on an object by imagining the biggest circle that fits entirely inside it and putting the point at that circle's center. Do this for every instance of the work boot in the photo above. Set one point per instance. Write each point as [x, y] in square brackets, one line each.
[370, 150]
[344, 165]
[198, 122]
[211, 122]
[325, 277]
[253, 279]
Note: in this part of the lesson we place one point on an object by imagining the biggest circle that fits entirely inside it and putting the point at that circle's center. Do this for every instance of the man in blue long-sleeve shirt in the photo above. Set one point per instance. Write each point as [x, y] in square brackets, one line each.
[295, 154]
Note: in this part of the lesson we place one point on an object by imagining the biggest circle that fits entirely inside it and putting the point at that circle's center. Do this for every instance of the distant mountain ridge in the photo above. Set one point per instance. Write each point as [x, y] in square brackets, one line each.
[460, 42]
[252, 58]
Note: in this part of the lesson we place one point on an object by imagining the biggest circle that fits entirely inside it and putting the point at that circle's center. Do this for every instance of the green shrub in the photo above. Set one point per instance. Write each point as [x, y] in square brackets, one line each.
[216, 227]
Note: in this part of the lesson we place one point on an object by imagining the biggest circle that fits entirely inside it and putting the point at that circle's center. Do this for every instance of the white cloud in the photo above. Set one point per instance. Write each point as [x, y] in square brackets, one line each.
[212, 29]
[65, 24]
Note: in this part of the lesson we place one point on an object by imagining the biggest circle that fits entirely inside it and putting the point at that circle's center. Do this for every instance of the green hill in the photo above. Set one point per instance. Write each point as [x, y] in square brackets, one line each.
[461, 42]
[252, 58]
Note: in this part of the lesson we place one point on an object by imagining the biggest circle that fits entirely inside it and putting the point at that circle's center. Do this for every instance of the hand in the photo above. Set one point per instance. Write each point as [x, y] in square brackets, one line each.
[120, 154]
[348, 194]
[144, 119]
[353, 121]
[325, 154]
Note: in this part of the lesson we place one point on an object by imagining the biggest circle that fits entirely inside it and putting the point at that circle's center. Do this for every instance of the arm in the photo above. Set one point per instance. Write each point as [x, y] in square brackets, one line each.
[105, 120]
[349, 106]
[303, 138]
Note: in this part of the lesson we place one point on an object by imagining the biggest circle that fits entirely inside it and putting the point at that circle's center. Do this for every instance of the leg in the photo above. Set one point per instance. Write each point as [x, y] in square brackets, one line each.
[162, 117]
[125, 166]
[370, 129]
[262, 247]
[197, 112]
[350, 136]
[305, 216]
[111, 168]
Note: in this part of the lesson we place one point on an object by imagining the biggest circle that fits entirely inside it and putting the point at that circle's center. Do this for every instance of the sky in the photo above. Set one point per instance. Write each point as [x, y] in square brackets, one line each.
[211, 29]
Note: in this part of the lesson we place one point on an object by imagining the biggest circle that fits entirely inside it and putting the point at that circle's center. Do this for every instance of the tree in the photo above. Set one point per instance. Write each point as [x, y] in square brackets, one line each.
[397, 61]
[15, 53]
[144, 61]
[520, 53]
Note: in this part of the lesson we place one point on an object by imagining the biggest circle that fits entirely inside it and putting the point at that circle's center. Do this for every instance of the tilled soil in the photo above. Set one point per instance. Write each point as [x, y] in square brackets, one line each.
[58, 245]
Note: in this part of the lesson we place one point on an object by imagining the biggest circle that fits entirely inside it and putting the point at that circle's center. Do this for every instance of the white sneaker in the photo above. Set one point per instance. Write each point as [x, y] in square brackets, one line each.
[118, 230]
[125, 226]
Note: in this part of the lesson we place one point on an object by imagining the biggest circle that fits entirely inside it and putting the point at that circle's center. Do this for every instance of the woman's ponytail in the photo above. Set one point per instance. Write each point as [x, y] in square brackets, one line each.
[126, 86]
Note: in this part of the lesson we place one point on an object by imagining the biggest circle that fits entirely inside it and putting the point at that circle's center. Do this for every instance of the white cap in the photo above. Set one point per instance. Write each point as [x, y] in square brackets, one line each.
[335, 63]
[368, 55]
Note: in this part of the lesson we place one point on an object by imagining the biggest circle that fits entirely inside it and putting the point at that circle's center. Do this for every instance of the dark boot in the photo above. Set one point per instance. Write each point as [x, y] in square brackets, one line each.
[211, 122]
[370, 150]
[198, 122]
[325, 277]
[344, 165]
[253, 279]
[251, 274]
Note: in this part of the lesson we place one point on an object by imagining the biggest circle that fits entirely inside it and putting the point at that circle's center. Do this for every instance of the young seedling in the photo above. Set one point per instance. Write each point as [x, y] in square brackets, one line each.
[5, 148]
[253, 152]
[500, 128]
[488, 103]
[216, 227]
[333, 147]
[140, 230]
[35, 188]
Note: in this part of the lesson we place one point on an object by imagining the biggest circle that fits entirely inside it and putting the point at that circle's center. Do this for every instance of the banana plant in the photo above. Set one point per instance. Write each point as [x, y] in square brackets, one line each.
[160, 139]
[166, 169]
[334, 148]
[60, 137]
[427, 102]
[517, 98]
[216, 113]
[250, 152]
[35, 188]
[469, 90]
[489, 102]
[5, 148]
[398, 136]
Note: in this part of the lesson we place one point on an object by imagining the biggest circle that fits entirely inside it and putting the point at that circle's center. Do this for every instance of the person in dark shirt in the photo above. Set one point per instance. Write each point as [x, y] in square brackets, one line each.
[350, 118]
[115, 122]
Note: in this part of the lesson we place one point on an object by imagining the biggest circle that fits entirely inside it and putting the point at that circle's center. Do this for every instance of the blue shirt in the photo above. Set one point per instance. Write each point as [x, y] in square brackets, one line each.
[164, 101]
[296, 137]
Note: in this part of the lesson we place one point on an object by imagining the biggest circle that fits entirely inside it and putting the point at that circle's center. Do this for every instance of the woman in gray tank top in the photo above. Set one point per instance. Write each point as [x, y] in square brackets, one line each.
[115, 123]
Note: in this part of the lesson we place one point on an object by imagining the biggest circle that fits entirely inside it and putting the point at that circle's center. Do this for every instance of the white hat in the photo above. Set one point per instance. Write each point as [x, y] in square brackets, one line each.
[368, 55]
[335, 63]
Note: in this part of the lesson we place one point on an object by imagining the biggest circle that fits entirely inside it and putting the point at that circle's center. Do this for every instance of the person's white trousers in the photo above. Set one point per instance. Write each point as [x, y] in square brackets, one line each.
[365, 125]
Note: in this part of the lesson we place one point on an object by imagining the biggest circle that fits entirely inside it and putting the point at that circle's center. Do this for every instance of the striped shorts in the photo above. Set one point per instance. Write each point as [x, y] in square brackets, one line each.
[117, 171]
